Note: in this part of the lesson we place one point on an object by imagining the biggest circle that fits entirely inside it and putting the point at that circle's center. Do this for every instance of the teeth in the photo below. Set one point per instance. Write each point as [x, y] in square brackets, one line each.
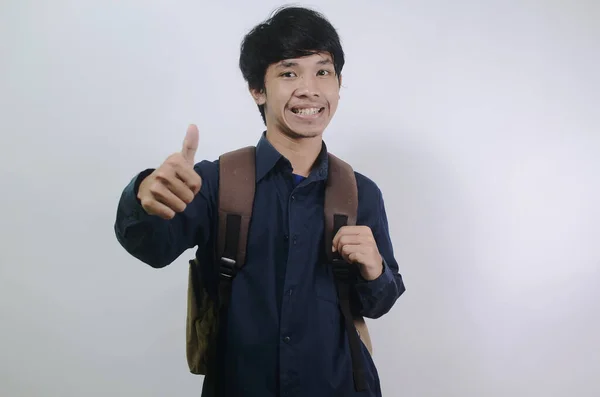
[307, 112]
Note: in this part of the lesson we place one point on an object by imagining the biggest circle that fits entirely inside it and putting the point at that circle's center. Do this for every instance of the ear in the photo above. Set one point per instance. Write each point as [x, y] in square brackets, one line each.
[259, 96]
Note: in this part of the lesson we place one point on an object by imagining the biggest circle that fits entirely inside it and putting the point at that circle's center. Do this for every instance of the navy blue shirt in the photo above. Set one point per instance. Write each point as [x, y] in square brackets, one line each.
[285, 334]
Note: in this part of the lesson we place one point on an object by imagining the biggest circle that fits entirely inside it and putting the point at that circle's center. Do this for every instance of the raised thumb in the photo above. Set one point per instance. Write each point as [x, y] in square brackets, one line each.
[190, 144]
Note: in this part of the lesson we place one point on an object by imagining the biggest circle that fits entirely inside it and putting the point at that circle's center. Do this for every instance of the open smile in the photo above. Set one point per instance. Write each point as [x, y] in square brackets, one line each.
[308, 112]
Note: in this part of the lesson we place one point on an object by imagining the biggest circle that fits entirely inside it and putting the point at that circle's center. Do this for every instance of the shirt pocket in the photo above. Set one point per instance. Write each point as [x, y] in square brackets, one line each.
[326, 305]
[325, 288]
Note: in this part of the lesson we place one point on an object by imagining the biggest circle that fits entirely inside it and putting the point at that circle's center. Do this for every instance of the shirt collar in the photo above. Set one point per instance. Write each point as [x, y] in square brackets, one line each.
[267, 158]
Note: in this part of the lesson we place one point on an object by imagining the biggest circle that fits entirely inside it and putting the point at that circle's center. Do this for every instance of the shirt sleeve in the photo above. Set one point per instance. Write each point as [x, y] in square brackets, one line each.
[156, 241]
[376, 297]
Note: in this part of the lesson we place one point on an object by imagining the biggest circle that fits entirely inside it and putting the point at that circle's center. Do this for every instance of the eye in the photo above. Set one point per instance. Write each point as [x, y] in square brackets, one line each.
[287, 74]
[324, 72]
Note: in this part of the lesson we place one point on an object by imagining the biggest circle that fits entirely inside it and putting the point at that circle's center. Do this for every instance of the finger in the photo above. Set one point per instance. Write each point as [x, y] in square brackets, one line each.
[190, 177]
[356, 257]
[159, 209]
[344, 231]
[350, 251]
[180, 189]
[176, 171]
[163, 195]
[364, 234]
[348, 239]
[190, 144]
[351, 239]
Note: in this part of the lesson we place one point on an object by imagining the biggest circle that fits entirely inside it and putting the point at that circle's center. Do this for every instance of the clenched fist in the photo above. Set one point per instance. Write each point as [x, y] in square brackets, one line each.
[172, 186]
[356, 244]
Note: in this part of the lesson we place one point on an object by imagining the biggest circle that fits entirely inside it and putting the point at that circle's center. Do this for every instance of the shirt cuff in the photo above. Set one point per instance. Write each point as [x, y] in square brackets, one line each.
[131, 206]
[375, 287]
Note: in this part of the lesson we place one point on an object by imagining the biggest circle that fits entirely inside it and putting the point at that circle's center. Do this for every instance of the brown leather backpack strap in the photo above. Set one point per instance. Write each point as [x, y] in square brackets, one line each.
[341, 208]
[341, 199]
[341, 203]
[237, 183]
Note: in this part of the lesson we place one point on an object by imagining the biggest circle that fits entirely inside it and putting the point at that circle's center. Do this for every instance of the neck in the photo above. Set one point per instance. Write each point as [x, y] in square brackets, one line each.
[301, 152]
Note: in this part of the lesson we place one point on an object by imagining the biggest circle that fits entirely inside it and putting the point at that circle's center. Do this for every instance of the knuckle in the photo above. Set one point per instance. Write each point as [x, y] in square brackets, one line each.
[193, 187]
[162, 174]
[197, 183]
[148, 206]
[187, 198]
[145, 203]
[146, 199]
[155, 188]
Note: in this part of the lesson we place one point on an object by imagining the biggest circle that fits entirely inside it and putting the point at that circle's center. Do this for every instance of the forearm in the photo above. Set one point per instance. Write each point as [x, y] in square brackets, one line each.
[377, 289]
[375, 298]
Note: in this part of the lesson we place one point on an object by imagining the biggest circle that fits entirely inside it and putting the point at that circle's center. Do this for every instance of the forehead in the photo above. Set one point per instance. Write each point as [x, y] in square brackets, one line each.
[317, 59]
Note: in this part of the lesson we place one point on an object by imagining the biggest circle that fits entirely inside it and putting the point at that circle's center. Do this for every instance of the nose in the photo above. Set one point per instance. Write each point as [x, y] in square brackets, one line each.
[307, 87]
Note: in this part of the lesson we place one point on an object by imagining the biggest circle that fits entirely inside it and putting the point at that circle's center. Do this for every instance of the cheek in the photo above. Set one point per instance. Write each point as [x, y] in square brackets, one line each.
[332, 94]
[278, 100]
[333, 100]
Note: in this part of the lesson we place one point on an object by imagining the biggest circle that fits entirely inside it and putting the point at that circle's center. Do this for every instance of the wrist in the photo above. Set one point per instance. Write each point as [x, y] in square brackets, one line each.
[138, 182]
[372, 272]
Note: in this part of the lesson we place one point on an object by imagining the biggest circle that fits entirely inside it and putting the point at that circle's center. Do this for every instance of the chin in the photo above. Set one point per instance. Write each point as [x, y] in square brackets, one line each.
[303, 133]
[304, 129]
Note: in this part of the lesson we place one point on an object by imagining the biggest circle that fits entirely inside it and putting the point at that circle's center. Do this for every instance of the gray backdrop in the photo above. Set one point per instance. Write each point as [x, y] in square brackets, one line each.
[478, 119]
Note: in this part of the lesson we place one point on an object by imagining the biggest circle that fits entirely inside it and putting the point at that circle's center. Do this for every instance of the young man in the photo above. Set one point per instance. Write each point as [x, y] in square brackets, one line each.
[284, 335]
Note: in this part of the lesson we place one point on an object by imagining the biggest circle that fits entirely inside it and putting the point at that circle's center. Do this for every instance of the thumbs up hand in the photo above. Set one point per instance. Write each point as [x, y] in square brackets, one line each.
[172, 186]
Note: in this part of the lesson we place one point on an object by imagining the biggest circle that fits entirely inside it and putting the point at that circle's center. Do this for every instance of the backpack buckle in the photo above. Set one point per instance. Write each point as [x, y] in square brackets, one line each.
[341, 269]
[227, 268]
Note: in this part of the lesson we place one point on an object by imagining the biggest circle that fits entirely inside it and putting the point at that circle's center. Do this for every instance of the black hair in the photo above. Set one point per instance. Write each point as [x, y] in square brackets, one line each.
[290, 32]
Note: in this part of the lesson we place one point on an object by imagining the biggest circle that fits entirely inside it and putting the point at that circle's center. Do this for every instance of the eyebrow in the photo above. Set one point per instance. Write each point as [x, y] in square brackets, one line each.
[289, 64]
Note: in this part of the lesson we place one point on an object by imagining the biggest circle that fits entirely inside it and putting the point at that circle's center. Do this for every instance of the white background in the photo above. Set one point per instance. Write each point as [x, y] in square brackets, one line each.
[479, 120]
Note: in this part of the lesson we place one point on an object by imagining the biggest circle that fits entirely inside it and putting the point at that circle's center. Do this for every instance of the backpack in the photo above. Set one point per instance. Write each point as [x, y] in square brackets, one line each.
[236, 197]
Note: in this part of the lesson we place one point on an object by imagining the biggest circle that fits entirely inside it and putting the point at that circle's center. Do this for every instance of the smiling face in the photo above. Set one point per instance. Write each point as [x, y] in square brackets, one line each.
[301, 96]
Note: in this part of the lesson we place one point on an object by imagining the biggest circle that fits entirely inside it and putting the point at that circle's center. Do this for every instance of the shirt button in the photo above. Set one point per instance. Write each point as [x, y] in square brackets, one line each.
[287, 339]
[293, 197]
[286, 237]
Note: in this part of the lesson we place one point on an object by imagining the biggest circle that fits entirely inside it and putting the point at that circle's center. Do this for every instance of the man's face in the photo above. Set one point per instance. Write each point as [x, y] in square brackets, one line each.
[301, 95]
